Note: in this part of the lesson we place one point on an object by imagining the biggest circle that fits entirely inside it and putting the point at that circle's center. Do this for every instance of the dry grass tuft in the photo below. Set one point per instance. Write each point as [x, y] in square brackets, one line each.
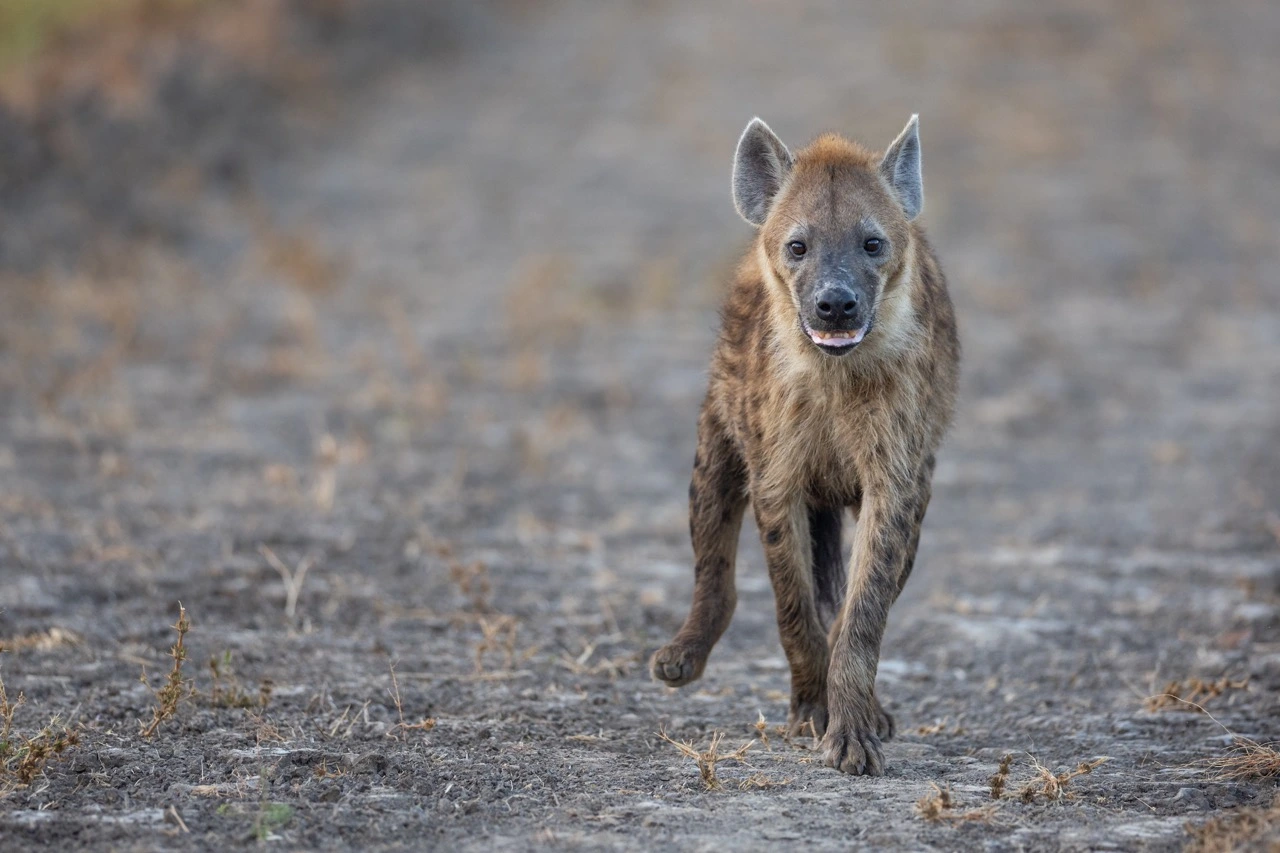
[613, 667]
[934, 805]
[1237, 829]
[807, 729]
[940, 807]
[175, 687]
[8, 709]
[499, 636]
[1247, 759]
[759, 781]
[26, 760]
[267, 731]
[42, 641]
[1053, 786]
[1001, 776]
[22, 759]
[762, 729]
[708, 759]
[940, 727]
[472, 580]
[426, 724]
[1191, 691]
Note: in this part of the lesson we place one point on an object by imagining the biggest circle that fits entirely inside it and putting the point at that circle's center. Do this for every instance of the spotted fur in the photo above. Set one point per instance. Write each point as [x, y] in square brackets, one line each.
[806, 437]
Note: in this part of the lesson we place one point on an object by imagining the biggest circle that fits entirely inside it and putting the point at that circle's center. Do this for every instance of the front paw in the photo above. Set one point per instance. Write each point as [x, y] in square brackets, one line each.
[677, 664]
[808, 717]
[853, 748]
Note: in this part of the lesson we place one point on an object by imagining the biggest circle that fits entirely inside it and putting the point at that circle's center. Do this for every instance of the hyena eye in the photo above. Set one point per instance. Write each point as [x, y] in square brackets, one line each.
[797, 248]
[872, 245]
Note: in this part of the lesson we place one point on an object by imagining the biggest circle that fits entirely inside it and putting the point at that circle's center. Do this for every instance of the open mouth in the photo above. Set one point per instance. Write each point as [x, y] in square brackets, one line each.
[836, 342]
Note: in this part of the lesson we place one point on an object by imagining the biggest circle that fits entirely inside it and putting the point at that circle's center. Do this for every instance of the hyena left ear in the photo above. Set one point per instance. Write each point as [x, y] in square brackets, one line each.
[901, 168]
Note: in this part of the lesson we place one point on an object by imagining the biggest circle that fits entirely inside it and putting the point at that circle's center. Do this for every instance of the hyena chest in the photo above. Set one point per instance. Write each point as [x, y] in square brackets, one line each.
[820, 445]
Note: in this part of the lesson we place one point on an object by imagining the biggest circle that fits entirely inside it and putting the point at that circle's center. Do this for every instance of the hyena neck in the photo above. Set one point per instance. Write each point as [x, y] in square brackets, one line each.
[894, 342]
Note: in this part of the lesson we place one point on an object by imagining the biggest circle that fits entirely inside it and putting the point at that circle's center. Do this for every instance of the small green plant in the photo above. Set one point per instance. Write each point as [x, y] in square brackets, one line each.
[226, 690]
[271, 816]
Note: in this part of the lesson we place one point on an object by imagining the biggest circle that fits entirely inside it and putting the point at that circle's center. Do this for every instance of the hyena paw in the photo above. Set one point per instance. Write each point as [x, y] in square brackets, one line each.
[883, 722]
[677, 664]
[853, 749]
[808, 718]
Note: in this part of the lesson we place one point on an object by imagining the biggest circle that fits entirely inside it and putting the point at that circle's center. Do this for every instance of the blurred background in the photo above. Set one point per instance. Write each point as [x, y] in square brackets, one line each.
[422, 294]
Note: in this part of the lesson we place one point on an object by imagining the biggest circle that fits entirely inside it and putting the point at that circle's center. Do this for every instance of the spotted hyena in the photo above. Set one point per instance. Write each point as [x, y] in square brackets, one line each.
[831, 386]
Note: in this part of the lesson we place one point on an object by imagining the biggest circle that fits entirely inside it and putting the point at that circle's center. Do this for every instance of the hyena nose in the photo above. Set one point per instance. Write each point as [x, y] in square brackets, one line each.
[836, 304]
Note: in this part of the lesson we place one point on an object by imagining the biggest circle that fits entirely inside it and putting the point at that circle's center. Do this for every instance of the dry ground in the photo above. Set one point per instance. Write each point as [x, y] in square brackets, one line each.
[383, 358]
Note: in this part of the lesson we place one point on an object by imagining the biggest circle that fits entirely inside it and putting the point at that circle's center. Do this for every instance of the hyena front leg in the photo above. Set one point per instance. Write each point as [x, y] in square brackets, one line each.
[785, 534]
[717, 499]
[888, 526]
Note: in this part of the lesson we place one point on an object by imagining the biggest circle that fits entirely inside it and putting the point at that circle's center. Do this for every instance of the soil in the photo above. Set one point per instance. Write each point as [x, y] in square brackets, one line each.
[383, 359]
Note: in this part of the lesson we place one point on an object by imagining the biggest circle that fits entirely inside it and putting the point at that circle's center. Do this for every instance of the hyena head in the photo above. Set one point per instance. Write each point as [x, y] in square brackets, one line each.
[834, 226]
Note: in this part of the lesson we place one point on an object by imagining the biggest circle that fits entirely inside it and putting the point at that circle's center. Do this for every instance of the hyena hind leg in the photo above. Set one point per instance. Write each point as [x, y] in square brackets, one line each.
[829, 577]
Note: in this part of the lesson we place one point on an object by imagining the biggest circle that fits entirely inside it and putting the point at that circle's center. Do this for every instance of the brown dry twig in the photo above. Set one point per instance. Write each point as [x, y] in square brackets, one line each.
[939, 727]
[426, 724]
[472, 580]
[760, 781]
[1191, 691]
[612, 667]
[709, 758]
[499, 635]
[292, 578]
[1053, 786]
[762, 729]
[938, 806]
[175, 687]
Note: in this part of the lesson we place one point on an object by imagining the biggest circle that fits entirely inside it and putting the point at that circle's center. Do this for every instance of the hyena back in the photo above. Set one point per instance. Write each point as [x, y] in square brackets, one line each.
[832, 383]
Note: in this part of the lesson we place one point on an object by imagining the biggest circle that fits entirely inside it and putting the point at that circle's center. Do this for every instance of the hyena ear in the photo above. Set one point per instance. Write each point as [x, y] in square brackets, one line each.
[760, 165]
[901, 168]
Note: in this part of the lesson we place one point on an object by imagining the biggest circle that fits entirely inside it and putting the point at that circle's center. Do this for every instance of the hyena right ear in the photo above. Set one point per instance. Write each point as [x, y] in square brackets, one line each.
[759, 168]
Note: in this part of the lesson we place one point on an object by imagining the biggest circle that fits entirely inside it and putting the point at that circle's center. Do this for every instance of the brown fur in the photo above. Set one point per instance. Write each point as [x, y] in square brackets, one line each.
[802, 435]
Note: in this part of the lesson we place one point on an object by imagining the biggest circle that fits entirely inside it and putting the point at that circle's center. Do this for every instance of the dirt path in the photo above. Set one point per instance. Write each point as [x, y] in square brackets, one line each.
[446, 349]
